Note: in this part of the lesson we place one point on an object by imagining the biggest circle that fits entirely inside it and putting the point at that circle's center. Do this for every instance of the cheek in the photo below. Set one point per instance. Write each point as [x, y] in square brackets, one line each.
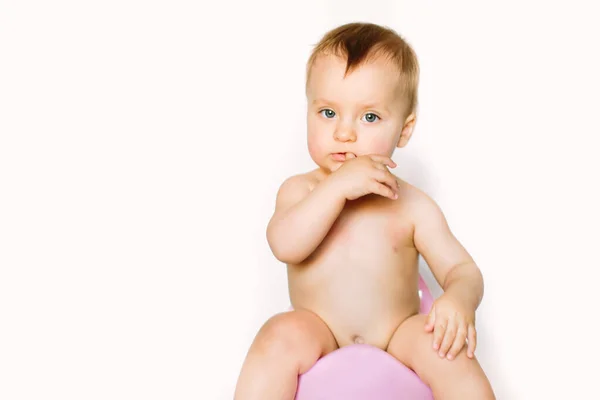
[315, 145]
[382, 145]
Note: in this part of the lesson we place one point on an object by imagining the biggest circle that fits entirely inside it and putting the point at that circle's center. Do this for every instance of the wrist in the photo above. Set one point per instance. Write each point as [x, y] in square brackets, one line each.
[333, 189]
[465, 293]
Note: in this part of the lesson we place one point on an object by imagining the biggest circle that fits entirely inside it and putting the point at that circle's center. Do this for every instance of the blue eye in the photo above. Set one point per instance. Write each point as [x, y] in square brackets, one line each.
[328, 113]
[371, 117]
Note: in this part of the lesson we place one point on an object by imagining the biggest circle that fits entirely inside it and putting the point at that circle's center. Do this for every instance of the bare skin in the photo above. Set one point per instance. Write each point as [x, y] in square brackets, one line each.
[350, 233]
[363, 277]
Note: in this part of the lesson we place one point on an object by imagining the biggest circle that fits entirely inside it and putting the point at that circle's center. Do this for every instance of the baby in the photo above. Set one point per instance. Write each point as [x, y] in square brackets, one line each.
[351, 233]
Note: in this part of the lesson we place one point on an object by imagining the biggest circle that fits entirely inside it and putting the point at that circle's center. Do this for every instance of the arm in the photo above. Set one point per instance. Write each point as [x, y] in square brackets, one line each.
[302, 218]
[452, 266]
[452, 318]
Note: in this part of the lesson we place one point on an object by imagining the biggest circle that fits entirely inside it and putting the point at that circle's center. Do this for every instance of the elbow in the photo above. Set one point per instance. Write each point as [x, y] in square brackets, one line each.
[282, 248]
[286, 254]
[287, 257]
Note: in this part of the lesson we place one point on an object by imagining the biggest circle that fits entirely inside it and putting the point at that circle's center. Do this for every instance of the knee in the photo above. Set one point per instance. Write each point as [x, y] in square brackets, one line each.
[284, 335]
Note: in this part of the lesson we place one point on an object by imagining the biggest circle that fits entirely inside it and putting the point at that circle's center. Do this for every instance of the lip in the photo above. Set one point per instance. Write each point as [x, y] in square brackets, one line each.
[339, 156]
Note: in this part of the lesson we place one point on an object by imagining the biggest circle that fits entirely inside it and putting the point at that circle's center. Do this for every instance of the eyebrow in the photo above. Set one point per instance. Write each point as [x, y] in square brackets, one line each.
[366, 105]
[320, 100]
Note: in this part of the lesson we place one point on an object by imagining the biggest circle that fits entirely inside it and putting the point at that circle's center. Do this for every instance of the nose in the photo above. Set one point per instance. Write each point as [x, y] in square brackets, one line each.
[344, 133]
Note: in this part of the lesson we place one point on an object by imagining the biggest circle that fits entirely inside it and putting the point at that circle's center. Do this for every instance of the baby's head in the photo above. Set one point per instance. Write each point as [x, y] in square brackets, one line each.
[361, 88]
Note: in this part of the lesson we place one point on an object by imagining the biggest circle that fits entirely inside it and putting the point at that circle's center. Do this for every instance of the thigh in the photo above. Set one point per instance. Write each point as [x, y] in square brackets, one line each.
[413, 346]
[300, 335]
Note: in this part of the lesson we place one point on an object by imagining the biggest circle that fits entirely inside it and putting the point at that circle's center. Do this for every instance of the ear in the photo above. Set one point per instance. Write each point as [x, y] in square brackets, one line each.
[407, 130]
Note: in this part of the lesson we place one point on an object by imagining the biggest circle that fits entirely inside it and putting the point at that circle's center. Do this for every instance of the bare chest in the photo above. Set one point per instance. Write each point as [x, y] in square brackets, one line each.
[368, 254]
[367, 228]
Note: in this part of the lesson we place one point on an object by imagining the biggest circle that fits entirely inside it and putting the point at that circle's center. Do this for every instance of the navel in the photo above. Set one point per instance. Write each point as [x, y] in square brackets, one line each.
[358, 339]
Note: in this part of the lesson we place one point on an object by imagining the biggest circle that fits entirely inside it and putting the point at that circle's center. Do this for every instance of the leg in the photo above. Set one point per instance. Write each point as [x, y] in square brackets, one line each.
[461, 378]
[286, 346]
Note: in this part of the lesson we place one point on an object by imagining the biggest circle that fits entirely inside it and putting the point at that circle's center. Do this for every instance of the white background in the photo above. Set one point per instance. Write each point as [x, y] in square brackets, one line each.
[142, 144]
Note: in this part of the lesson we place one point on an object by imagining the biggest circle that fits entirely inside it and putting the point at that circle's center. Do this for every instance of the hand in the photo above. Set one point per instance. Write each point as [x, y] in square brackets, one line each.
[451, 323]
[359, 176]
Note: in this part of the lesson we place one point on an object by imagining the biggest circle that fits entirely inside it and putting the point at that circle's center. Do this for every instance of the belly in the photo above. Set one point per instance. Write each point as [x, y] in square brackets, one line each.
[362, 287]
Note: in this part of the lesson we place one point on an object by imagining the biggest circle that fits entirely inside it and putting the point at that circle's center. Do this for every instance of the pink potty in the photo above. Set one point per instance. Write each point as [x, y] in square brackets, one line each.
[364, 372]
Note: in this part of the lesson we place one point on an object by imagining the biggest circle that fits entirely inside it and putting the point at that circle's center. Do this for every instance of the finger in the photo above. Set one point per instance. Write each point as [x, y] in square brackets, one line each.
[390, 178]
[472, 341]
[350, 156]
[448, 338]
[429, 324]
[384, 160]
[382, 190]
[381, 166]
[459, 343]
[387, 178]
[438, 334]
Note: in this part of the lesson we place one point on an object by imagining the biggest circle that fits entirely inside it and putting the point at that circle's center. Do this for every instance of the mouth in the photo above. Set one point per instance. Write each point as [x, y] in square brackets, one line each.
[342, 156]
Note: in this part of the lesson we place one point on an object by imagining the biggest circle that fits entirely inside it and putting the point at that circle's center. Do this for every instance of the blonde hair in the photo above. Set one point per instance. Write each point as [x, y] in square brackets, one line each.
[359, 42]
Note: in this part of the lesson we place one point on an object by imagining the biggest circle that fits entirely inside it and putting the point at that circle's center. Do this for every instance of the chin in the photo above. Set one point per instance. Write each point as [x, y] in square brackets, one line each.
[326, 167]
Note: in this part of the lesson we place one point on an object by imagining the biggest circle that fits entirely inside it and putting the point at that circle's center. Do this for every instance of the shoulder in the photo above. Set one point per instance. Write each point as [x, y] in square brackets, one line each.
[419, 204]
[299, 182]
[295, 187]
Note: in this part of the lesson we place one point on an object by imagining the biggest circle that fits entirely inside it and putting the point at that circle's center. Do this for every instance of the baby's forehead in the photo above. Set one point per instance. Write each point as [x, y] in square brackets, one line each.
[340, 62]
[370, 81]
